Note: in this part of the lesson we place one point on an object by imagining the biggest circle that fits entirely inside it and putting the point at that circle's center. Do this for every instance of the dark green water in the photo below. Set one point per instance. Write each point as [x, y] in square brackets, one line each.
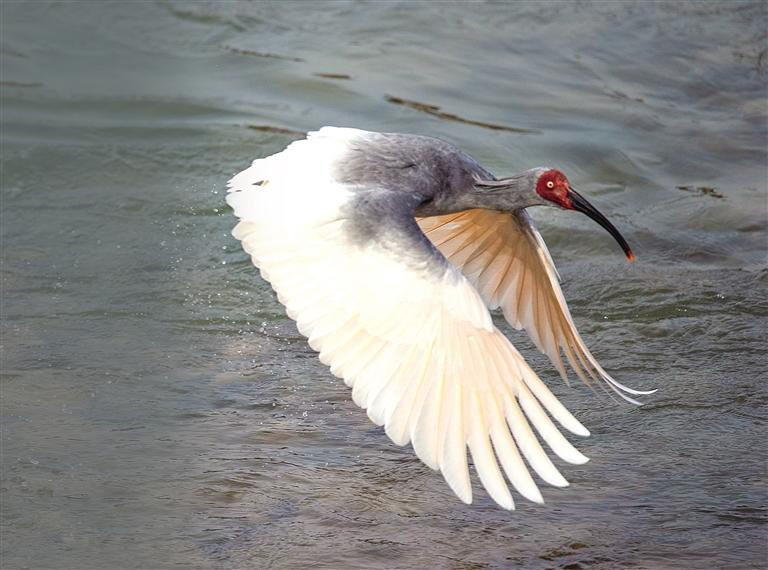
[160, 411]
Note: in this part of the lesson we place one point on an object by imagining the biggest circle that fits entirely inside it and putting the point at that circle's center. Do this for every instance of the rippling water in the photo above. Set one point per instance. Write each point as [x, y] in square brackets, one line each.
[158, 408]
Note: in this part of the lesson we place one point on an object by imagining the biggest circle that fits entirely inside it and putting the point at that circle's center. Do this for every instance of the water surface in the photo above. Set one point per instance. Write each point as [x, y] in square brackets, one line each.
[159, 409]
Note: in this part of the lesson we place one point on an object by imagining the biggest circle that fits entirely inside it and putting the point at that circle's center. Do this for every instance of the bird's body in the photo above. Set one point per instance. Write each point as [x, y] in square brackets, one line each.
[389, 250]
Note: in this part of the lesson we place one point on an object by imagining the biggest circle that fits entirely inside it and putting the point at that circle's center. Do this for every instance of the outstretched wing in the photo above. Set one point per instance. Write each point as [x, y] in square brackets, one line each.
[504, 257]
[403, 328]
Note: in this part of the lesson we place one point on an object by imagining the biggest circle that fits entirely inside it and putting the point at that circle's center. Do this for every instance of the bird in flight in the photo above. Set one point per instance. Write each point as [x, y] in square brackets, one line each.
[389, 251]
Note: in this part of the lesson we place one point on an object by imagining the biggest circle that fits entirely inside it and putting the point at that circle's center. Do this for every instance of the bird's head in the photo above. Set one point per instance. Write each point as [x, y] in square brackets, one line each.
[553, 188]
[538, 187]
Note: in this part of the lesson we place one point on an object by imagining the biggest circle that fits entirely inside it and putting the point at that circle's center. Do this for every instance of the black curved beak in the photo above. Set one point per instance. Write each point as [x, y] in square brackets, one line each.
[580, 204]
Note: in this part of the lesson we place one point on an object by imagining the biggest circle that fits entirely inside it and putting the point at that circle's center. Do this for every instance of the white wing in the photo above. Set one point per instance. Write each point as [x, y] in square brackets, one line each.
[503, 255]
[403, 328]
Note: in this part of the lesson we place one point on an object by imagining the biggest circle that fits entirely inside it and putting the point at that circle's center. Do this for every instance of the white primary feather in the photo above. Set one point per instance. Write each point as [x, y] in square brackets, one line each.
[418, 349]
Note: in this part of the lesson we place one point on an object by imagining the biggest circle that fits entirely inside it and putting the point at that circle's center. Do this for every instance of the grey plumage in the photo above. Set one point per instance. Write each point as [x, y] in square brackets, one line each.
[397, 177]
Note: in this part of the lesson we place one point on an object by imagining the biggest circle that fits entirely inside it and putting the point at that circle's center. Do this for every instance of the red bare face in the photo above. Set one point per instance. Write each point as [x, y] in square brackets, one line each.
[554, 186]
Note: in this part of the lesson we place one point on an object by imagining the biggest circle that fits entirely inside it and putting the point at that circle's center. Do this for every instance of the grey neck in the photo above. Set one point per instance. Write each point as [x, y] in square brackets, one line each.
[504, 194]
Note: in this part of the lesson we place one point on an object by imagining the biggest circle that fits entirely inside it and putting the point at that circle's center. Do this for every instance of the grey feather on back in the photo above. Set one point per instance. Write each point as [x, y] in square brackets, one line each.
[410, 163]
[385, 218]
[394, 175]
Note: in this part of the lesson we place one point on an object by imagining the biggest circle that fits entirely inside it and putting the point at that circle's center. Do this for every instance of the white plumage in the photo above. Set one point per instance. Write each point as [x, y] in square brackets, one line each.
[418, 347]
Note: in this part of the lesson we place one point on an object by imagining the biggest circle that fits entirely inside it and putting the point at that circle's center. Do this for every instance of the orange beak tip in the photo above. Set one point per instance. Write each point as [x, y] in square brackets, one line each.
[630, 256]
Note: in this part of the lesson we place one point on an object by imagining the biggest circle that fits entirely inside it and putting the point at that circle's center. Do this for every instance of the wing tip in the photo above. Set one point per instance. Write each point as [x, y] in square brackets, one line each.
[578, 428]
[460, 486]
[576, 458]
[464, 495]
[507, 505]
[534, 495]
[556, 480]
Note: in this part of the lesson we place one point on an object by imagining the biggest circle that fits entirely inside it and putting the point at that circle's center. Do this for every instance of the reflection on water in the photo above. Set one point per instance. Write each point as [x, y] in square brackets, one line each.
[159, 409]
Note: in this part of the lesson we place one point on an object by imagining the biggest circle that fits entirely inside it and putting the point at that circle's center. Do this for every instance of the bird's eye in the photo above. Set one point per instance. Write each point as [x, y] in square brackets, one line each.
[550, 185]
